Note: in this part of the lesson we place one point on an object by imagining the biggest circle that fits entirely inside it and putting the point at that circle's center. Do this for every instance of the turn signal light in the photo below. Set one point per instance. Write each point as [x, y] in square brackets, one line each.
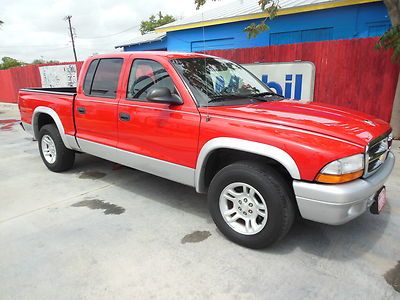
[329, 178]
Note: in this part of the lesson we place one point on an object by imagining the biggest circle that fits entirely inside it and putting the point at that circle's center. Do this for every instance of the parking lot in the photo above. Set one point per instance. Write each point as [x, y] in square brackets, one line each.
[103, 231]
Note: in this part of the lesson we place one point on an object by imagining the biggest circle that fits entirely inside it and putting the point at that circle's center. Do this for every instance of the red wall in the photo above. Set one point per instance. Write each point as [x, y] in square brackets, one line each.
[12, 80]
[350, 73]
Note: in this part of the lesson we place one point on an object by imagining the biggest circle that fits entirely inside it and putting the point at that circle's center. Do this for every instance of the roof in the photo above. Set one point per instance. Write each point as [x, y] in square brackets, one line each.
[149, 54]
[242, 10]
[145, 38]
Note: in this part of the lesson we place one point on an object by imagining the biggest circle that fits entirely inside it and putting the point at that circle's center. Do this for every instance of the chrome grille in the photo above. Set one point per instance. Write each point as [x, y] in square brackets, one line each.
[376, 153]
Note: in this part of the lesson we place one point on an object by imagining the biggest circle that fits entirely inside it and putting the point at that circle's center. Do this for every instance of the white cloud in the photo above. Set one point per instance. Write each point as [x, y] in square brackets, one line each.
[36, 29]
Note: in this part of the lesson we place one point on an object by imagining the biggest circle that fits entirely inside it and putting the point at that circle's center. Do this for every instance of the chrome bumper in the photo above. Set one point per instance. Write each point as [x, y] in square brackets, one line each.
[339, 203]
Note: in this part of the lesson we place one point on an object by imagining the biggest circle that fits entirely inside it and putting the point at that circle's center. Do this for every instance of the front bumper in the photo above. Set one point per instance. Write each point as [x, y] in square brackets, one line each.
[339, 203]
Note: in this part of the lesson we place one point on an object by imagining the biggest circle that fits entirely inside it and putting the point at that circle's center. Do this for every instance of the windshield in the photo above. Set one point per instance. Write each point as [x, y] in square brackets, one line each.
[215, 81]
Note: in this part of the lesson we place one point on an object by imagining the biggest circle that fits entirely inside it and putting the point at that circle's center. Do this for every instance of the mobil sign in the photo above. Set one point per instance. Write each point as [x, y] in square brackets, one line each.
[293, 80]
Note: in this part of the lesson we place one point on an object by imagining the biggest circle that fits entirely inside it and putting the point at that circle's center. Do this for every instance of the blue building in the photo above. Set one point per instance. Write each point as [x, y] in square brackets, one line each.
[298, 21]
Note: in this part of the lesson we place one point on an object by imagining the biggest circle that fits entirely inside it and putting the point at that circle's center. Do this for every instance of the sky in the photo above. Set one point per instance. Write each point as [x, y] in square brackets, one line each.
[35, 29]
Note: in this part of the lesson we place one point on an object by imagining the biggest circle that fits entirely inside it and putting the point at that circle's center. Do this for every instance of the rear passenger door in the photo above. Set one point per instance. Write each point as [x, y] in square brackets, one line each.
[97, 104]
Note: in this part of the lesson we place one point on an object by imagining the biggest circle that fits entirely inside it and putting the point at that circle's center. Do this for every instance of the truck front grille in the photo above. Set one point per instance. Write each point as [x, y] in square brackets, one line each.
[377, 153]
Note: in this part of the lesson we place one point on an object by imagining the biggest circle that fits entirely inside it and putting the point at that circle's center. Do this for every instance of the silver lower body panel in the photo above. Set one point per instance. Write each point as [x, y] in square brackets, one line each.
[171, 171]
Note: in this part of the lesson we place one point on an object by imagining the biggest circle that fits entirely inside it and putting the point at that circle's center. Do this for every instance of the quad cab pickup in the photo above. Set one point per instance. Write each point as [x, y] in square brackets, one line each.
[208, 123]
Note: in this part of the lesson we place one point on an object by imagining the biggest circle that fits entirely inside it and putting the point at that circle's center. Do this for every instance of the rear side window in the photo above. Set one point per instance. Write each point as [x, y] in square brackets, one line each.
[105, 79]
[87, 84]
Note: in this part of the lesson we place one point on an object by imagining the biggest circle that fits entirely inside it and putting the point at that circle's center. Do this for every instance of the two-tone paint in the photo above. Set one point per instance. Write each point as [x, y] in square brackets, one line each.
[176, 141]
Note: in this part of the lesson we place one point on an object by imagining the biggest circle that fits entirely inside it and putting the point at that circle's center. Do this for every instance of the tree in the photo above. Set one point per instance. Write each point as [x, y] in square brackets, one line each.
[40, 61]
[9, 62]
[391, 38]
[153, 22]
[270, 7]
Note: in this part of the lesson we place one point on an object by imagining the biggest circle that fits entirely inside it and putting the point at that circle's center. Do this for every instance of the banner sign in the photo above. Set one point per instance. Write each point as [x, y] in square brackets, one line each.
[294, 80]
[58, 76]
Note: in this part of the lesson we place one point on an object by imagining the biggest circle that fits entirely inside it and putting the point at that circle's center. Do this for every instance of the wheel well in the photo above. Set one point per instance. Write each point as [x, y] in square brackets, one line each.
[220, 158]
[44, 119]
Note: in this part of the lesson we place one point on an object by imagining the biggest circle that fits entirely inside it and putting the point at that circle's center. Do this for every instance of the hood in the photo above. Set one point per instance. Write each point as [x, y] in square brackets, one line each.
[338, 122]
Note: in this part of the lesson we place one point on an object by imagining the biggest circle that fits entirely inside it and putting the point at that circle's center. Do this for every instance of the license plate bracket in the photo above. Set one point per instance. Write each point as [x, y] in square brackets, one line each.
[380, 200]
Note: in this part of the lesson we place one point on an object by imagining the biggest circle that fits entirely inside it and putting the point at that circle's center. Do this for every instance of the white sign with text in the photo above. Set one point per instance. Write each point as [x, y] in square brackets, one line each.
[294, 80]
[58, 76]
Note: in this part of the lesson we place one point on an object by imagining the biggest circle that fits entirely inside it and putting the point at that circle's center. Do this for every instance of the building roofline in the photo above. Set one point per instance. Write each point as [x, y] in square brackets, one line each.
[155, 39]
[287, 11]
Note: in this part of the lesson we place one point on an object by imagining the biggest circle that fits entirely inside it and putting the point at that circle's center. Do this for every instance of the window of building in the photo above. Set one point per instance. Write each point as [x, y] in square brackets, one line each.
[378, 28]
[223, 43]
[301, 36]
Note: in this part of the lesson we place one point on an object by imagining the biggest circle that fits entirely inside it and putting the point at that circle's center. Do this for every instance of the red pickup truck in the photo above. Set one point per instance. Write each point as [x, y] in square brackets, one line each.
[207, 122]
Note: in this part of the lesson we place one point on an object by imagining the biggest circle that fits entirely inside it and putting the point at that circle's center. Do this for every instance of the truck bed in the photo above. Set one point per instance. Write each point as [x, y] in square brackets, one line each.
[58, 102]
[58, 90]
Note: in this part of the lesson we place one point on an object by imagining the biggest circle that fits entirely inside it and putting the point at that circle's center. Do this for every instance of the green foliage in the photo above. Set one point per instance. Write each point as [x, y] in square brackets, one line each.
[40, 61]
[9, 62]
[391, 40]
[200, 3]
[255, 29]
[154, 22]
[270, 7]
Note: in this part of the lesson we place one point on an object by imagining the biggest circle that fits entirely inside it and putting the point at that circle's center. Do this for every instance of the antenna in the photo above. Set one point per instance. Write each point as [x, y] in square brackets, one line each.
[205, 62]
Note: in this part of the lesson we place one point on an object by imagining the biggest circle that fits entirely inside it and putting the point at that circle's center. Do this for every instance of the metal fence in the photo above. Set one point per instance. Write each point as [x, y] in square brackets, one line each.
[13, 79]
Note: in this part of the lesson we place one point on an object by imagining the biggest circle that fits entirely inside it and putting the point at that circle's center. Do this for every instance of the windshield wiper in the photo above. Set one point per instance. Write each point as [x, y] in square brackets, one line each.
[256, 96]
[223, 97]
[265, 94]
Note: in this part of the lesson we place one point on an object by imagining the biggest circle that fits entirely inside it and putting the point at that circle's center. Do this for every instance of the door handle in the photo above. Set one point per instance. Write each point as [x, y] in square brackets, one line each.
[81, 110]
[124, 116]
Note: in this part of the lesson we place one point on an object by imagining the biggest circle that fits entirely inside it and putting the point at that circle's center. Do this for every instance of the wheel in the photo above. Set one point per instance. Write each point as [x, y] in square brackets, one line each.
[55, 155]
[252, 205]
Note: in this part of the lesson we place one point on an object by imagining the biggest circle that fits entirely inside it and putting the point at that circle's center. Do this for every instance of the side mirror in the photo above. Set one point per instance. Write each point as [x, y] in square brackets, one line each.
[164, 95]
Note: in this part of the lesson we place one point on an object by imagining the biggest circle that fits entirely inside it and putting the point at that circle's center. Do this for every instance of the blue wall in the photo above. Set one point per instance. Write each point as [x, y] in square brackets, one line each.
[356, 21]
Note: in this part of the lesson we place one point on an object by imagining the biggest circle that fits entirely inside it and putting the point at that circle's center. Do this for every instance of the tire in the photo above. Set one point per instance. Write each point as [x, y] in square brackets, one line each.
[245, 188]
[55, 155]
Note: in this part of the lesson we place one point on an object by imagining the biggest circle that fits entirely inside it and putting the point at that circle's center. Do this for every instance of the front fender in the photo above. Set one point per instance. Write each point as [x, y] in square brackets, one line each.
[243, 145]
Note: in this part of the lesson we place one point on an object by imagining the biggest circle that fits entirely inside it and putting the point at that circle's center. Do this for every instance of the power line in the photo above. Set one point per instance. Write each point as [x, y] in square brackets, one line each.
[108, 35]
[39, 46]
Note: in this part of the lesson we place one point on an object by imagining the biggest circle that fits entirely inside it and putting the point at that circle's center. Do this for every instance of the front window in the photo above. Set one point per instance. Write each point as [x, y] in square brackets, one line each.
[215, 81]
[146, 75]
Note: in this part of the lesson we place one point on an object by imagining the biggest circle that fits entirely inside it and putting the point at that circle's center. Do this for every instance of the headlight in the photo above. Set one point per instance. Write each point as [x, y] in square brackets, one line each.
[342, 170]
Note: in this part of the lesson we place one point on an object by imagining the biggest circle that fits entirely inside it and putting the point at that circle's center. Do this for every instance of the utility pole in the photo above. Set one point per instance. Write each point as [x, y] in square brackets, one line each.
[68, 18]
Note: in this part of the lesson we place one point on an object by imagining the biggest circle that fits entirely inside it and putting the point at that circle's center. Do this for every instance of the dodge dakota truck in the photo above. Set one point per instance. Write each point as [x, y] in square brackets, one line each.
[208, 123]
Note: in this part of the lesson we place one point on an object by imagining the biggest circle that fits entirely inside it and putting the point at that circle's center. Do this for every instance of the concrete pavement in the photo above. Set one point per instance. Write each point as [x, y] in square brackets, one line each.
[103, 231]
